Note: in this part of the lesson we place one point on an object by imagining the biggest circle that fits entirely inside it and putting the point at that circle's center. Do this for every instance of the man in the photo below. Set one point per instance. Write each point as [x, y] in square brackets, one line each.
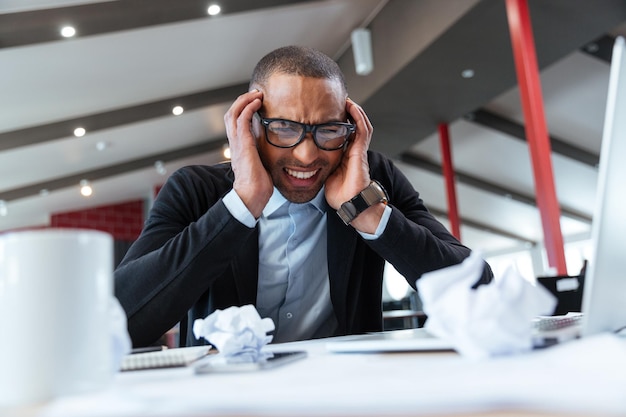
[299, 224]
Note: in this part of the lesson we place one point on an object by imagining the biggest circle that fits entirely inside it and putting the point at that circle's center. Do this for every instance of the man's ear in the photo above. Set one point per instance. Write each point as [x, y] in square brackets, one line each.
[255, 125]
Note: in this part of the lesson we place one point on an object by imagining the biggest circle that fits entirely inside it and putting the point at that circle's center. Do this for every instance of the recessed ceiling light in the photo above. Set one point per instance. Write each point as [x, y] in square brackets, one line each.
[467, 73]
[44, 192]
[159, 166]
[79, 132]
[3, 208]
[226, 151]
[214, 9]
[178, 110]
[68, 31]
[101, 145]
[85, 188]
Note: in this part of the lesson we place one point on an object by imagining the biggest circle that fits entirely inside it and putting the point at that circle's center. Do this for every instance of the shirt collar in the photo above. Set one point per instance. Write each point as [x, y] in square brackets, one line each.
[277, 200]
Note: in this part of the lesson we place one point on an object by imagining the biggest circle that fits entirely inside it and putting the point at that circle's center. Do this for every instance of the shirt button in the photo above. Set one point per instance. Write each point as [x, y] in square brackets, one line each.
[289, 315]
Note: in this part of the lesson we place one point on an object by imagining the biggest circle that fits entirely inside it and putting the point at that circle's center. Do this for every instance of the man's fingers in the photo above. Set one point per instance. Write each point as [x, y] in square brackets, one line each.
[359, 116]
[239, 105]
[238, 117]
[244, 121]
[364, 128]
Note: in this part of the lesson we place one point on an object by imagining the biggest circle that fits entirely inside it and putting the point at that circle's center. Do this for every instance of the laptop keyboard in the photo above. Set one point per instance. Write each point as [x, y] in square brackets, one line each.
[548, 323]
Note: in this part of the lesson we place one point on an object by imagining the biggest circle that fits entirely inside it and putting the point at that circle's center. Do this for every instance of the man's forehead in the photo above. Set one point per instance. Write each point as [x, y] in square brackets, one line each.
[279, 79]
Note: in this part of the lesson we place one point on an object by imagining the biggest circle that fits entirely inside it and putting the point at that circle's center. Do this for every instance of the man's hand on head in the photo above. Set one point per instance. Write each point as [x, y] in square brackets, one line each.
[252, 183]
[352, 175]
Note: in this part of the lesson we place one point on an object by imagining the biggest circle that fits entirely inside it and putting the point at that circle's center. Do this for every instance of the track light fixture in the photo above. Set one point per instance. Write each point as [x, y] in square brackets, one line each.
[362, 50]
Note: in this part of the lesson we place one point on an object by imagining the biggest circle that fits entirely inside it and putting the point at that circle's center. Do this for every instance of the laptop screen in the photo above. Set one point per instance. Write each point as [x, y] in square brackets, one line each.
[604, 296]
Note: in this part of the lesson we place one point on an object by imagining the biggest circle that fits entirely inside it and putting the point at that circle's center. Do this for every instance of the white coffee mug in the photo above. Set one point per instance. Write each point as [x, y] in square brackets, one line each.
[55, 290]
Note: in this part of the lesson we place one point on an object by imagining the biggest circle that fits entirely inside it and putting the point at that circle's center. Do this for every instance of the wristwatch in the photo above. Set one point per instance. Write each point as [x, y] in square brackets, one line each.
[372, 194]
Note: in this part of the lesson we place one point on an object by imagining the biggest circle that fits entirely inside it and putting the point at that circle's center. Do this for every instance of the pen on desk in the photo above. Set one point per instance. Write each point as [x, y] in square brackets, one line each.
[148, 349]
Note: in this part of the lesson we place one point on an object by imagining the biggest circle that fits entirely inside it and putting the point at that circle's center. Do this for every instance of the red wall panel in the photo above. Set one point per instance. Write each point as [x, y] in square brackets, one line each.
[124, 221]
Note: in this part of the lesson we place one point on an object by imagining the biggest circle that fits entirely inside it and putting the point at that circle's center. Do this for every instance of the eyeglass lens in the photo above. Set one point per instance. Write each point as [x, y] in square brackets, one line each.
[287, 133]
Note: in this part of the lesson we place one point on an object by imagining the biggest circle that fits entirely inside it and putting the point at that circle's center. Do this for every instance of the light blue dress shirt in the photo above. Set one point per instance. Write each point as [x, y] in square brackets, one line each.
[293, 287]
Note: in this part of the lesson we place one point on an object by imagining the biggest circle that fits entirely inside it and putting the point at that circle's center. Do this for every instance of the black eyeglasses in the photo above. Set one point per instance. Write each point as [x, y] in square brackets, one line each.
[287, 134]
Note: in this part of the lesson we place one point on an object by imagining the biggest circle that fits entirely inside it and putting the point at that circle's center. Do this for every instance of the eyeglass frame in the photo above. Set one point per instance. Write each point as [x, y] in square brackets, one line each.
[306, 129]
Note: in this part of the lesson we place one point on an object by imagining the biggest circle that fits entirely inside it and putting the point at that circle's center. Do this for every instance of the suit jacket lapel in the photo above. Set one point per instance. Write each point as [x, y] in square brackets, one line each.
[246, 268]
[340, 248]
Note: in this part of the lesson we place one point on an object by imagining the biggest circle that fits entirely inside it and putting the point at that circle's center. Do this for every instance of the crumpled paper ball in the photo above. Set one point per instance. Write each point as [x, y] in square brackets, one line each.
[493, 319]
[238, 333]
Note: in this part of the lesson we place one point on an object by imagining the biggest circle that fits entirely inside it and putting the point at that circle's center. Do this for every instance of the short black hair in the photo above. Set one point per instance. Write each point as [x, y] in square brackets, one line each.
[296, 60]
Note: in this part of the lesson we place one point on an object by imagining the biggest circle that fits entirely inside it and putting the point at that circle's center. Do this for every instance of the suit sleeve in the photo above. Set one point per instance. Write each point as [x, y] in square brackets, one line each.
[414, 242]
[182, 248]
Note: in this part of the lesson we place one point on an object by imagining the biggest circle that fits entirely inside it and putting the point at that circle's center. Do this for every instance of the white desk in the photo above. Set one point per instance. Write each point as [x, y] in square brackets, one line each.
[579, 378]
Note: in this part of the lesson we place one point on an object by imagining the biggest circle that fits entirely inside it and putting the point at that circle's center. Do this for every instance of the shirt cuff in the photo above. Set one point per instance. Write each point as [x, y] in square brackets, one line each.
[382, 225]
[238, 209]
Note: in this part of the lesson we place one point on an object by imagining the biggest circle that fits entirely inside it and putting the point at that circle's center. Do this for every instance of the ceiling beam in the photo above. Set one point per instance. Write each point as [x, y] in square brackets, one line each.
[465, 222]
[112, 170]
[43, 25]
[516, 130]
[421, 162]
[94, 122]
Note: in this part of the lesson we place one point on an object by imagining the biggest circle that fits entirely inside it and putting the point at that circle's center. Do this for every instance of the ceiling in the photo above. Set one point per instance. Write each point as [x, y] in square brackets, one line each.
[132, 61]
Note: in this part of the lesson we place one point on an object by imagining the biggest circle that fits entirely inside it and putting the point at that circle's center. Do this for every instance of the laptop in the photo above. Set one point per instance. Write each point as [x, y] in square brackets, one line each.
[407, 340]
[604, 294]
[603, 281]
[568, 290]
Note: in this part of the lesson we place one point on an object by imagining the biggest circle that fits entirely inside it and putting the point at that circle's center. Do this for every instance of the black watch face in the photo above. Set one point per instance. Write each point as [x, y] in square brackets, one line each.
[360, 203]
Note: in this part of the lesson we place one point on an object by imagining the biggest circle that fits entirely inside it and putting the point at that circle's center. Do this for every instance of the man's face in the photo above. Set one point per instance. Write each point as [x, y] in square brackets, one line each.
[300, 172]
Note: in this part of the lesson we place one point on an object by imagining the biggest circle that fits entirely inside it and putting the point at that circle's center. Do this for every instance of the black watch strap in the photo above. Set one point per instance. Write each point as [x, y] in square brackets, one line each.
[370, 195]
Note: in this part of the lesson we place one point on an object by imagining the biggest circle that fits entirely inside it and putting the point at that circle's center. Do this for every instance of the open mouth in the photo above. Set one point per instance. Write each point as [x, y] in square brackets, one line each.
[301, 175]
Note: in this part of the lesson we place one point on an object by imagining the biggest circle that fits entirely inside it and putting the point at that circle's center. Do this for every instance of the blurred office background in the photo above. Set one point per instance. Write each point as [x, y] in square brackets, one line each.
[140, 88]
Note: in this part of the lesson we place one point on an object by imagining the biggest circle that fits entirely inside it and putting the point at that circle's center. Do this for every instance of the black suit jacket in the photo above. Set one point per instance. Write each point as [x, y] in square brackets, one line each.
[194, 257]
